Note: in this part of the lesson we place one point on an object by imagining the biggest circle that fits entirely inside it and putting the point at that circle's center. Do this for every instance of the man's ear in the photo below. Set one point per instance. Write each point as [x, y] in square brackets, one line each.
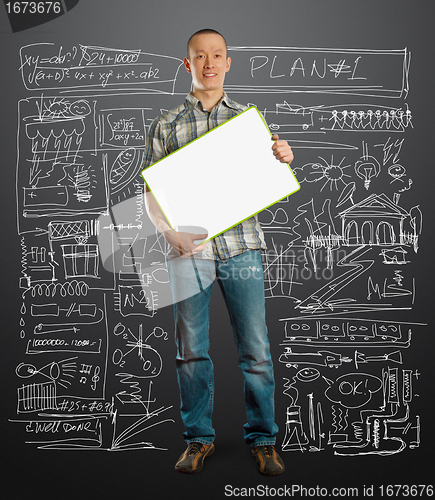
[187, 65]
[227, 68]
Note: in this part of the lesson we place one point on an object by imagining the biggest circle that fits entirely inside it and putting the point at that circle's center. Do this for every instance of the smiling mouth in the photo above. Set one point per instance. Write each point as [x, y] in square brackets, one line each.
[209, 74]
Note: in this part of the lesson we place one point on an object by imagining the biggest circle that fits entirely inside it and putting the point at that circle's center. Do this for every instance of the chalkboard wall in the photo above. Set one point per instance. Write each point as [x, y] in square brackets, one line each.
[88, 353]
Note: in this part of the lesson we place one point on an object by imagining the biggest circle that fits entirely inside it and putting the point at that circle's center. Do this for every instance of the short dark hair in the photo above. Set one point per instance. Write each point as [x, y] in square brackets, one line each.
[206, 31]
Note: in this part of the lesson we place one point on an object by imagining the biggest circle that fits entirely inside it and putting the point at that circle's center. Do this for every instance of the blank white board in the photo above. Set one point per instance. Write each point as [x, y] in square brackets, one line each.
[222, 178]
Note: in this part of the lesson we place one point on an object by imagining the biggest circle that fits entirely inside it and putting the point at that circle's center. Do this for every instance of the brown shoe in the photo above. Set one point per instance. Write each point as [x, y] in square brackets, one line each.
[192, 460]
[269, 463]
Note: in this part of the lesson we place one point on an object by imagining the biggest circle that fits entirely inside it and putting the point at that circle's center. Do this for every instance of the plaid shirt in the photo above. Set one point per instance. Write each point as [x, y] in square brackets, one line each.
[175, 129]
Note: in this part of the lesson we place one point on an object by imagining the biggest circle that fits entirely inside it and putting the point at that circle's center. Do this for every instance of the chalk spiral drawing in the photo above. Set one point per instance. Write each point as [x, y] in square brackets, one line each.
[339, 265]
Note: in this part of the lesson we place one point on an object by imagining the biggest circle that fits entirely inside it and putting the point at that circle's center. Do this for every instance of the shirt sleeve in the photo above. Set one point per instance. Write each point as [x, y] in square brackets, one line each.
[155, 144]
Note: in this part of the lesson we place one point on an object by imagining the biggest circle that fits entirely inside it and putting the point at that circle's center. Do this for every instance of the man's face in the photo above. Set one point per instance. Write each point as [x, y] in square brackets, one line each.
[207, 61]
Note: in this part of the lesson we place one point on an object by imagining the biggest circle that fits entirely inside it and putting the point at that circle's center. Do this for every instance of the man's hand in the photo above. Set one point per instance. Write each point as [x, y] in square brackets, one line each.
[183, 243]
[282, 151]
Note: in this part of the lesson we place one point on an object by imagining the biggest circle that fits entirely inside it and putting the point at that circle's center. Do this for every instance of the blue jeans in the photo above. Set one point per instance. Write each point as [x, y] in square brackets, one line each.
[242, 283]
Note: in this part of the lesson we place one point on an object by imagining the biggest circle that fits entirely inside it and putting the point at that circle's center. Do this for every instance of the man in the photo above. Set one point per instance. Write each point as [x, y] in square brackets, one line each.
[232, 258]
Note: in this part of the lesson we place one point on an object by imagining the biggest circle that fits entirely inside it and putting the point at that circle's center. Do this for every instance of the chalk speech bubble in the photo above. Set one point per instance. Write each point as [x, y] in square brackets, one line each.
[353, 390]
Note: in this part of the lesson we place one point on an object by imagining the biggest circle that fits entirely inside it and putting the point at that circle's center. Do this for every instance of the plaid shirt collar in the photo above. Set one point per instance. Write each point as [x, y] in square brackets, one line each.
[193, 102]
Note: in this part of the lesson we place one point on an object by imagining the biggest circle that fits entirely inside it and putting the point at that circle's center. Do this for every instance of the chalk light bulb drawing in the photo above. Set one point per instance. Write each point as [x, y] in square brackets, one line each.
[367, 167]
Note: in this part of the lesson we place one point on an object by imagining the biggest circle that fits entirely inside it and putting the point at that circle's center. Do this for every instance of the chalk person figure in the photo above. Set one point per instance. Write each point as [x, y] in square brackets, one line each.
[233, 259]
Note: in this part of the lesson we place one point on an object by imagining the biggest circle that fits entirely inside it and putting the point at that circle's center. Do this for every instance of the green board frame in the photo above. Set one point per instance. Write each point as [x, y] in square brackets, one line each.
[159, 193]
